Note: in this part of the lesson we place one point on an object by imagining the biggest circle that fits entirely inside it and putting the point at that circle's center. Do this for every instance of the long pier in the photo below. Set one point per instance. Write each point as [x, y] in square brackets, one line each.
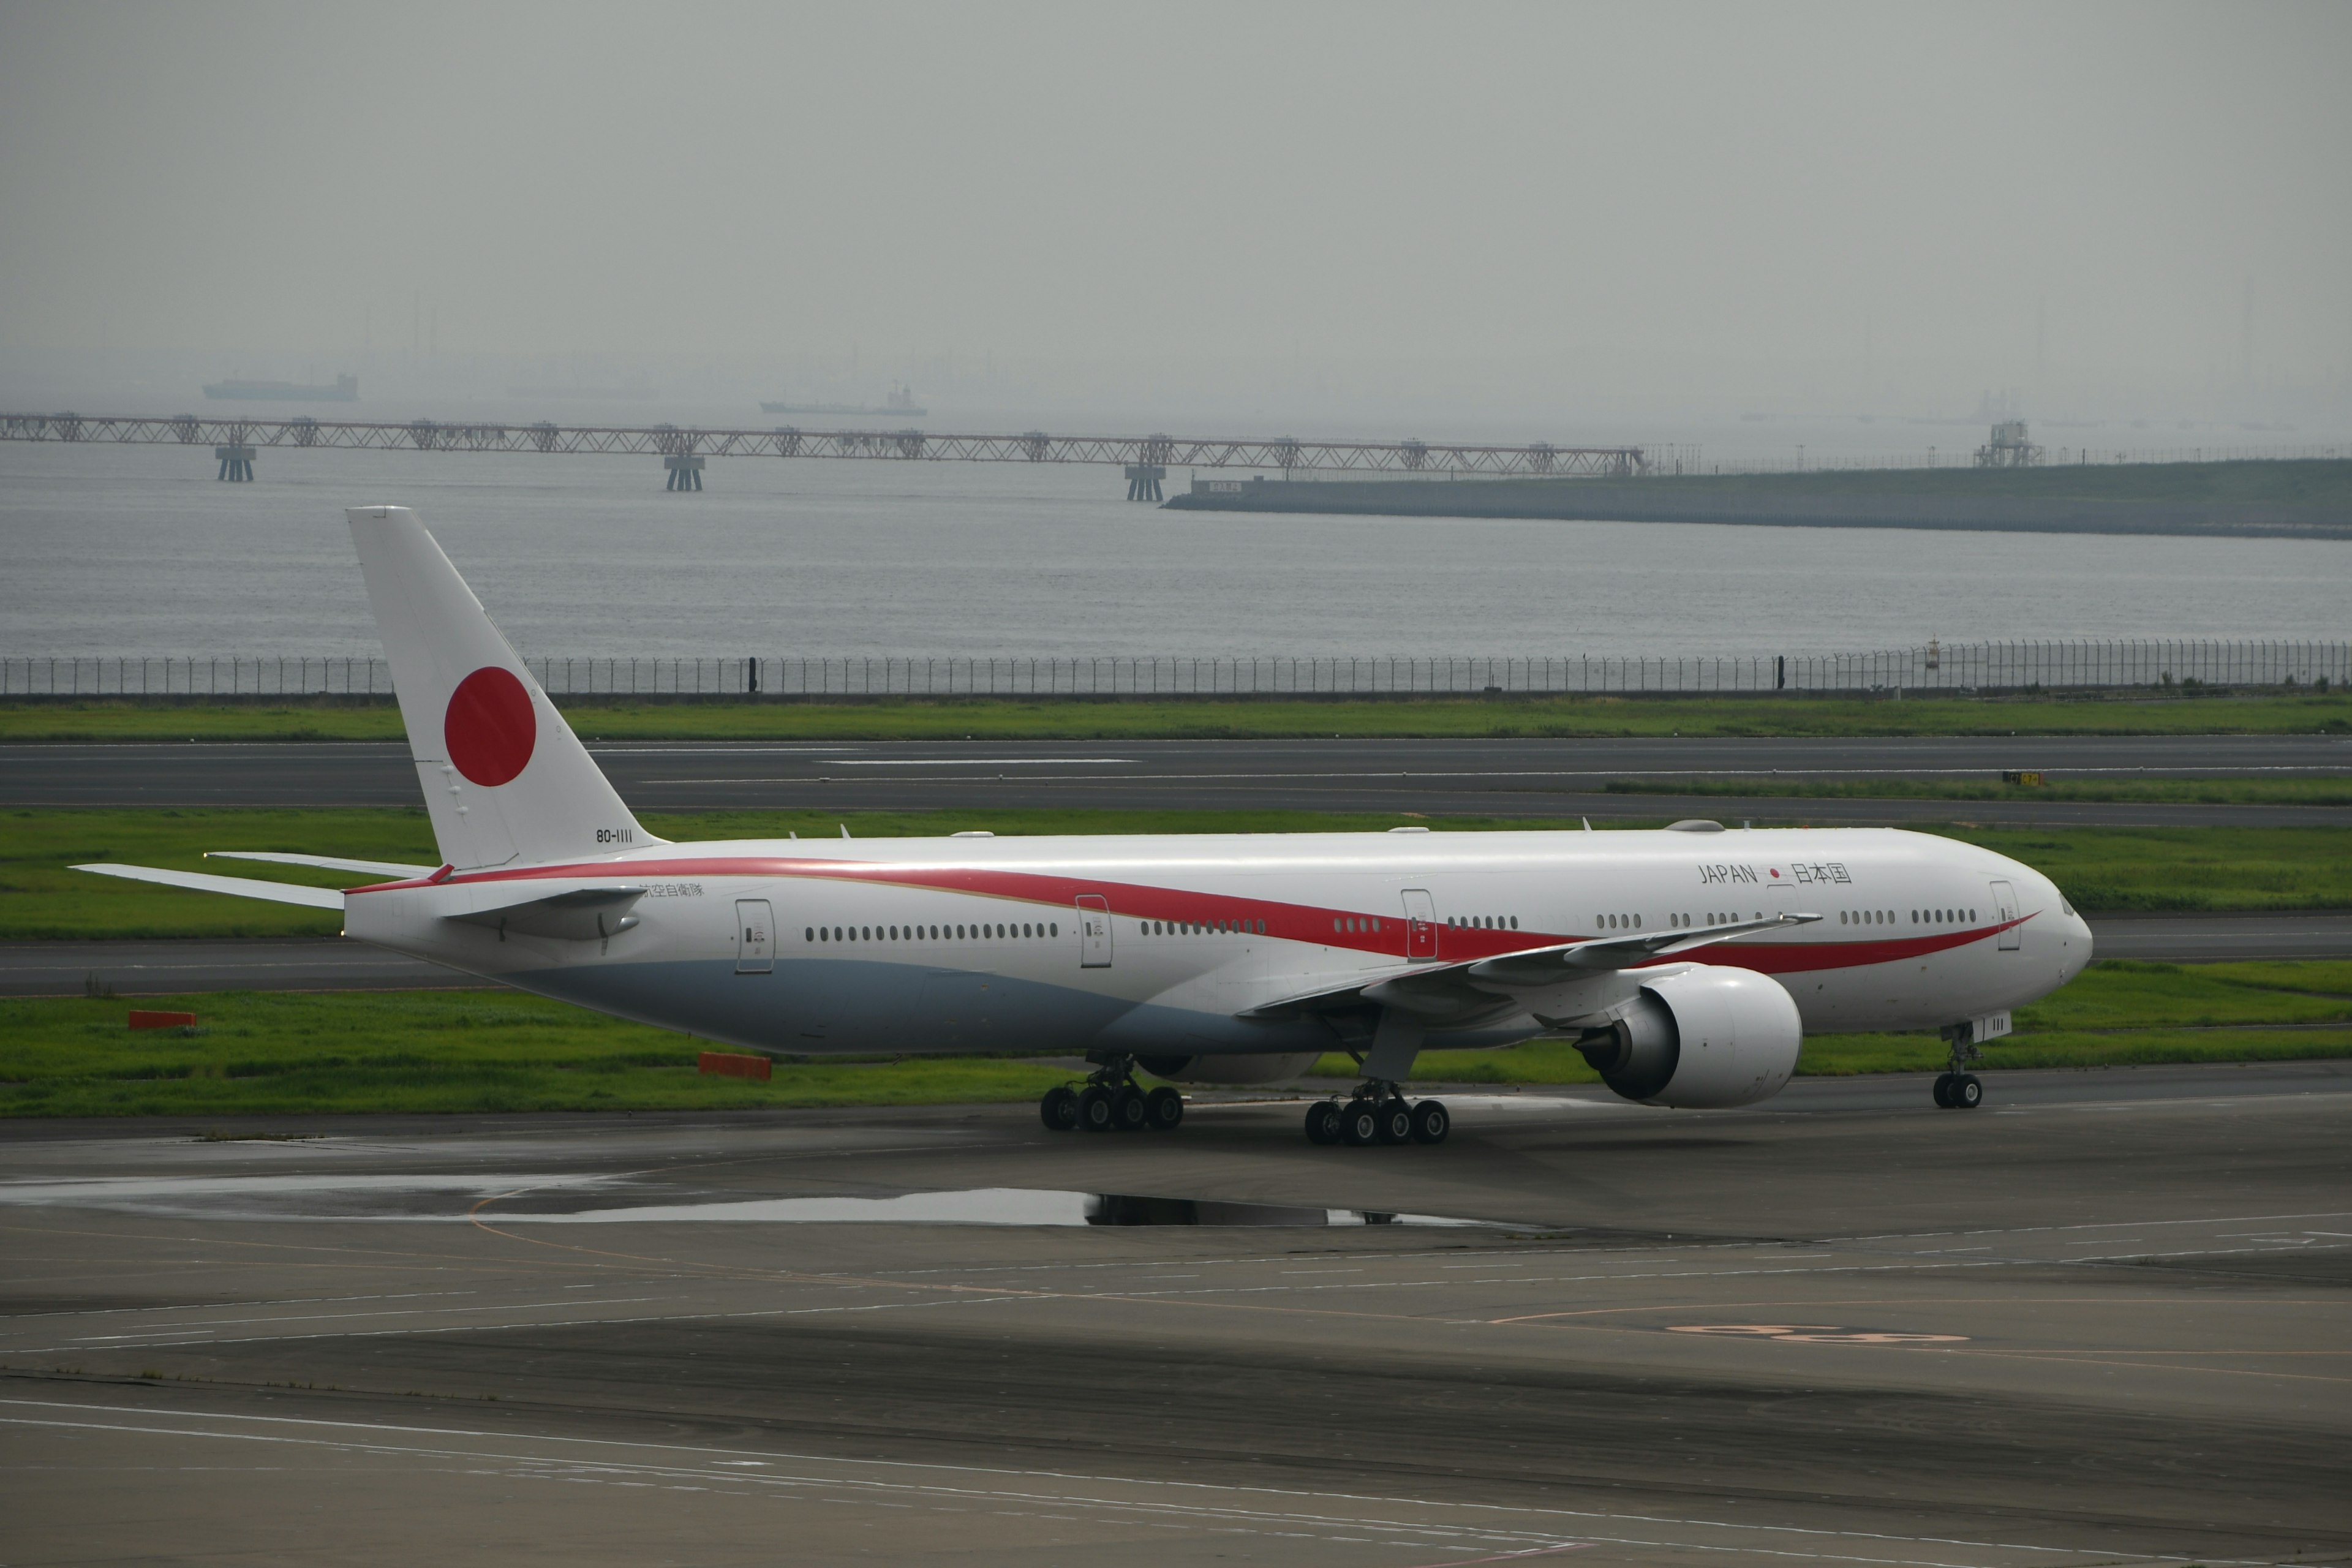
[237, 440]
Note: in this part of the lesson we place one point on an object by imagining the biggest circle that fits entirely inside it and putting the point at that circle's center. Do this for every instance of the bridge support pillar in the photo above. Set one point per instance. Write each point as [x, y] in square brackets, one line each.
[1143, 481]
[684, 473]
[236, 464]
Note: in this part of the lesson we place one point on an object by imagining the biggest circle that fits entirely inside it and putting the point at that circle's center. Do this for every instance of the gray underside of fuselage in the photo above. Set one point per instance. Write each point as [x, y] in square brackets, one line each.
[821, 1006]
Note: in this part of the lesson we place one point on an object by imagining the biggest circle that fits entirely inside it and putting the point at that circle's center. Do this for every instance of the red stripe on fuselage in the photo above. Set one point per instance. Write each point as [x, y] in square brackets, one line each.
[1291, 922]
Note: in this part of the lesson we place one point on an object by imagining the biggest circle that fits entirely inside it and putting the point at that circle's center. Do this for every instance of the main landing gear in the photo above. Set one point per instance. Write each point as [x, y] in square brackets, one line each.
[1110, 1100]
[1956, 1089]
[1378, 1112]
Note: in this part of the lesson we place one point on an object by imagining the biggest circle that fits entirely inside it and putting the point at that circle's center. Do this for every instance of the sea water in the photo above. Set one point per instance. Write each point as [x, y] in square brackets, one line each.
[130, 550]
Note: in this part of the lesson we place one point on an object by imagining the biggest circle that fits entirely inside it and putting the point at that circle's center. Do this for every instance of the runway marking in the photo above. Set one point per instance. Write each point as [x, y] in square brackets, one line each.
[286, 1302]
[143, 1422]
[1812, 1333]
[329, 1317]
[955, 1295]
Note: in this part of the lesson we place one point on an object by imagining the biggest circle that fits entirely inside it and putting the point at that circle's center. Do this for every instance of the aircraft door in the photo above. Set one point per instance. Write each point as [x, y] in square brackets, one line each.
[755, 937]
[2004, 910]
[1094, 932]
[1420, 923]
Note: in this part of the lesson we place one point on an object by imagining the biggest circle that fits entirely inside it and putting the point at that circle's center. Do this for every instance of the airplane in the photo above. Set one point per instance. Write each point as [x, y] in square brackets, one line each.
[1686, 963]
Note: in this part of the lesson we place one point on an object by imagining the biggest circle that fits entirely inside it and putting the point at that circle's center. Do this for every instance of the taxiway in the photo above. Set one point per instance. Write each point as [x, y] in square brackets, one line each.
[2102, 1320]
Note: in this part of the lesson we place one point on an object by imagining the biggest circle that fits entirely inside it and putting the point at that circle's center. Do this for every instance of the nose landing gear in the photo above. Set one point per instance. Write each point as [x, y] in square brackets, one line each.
[1110, 1102]
[1958, 1092]
[1956, 1089]
[1378, 1112]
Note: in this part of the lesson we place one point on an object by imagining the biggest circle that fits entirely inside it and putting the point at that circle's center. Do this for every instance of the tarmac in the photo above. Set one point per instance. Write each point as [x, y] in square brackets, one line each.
[2104, 1319]
[1527, 777]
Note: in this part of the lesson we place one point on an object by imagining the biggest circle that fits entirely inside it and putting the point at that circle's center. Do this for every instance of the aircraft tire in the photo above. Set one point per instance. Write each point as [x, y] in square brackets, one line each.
[1396, 1121]
[1129, 1111]
[1967, 1093]
[1323, 1122]
[1095, 1110]
[1360, 1124]
[1163, 1110]
[1944, 1092]
[1431, 1121]
[1059, 1109]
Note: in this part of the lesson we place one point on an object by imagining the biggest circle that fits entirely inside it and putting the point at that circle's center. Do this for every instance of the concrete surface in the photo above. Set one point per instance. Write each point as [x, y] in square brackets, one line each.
[2104, 1320]
[1529, 777]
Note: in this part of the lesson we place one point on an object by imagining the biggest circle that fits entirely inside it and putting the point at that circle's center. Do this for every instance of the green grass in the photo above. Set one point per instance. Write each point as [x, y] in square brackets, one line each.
[1077, 719]
[2184, 791]
[2117, 871]
[254, 1054]
[499, 1051]
[2103, 869]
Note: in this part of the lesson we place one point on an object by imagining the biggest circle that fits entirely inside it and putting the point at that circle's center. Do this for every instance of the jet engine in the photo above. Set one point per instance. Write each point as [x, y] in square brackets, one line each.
[1702, 1040]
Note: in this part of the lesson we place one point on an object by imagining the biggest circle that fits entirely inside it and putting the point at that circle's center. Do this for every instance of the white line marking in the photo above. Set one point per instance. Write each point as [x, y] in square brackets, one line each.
[129, 1416]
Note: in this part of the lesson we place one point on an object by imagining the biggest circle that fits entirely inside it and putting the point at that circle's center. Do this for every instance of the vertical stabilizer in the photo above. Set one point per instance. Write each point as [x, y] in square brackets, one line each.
[505, 778]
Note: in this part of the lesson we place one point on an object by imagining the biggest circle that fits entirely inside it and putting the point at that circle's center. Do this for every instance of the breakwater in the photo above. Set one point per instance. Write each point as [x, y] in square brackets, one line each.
[2293, 499]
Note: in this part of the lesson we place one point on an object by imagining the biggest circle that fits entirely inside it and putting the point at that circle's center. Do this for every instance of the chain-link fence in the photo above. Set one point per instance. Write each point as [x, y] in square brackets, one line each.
[1970, 667]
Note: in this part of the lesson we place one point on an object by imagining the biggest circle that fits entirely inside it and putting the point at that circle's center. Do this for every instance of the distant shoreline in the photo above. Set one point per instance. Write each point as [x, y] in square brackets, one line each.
[2289, 499]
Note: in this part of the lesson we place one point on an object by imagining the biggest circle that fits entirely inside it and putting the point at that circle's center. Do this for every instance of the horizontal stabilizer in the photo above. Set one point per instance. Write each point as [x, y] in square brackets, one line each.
[236, 887]
[584, 914]
[324, 862]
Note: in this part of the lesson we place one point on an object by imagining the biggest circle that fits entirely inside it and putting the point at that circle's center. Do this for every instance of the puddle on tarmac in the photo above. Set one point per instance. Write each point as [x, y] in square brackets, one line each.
[314, 1195]
[561, 1198]
[983, 1205]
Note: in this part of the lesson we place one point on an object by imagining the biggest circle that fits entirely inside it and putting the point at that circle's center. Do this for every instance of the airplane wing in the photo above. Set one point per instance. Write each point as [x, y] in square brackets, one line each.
[236, 887]
[1458, 992]
[326, 862]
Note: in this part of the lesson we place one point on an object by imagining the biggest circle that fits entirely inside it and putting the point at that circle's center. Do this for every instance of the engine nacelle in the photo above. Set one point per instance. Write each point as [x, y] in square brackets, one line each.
[1709, 1037]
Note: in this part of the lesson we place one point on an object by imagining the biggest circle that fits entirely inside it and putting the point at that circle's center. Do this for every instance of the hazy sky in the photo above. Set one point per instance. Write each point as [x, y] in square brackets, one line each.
[1857, 205]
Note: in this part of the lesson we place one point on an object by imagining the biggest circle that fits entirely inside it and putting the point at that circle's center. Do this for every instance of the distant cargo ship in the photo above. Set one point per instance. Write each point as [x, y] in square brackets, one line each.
[900, 403]
[345, 390]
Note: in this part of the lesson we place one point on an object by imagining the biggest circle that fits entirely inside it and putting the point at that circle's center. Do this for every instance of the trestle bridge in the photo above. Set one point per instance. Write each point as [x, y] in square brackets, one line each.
[237, 441]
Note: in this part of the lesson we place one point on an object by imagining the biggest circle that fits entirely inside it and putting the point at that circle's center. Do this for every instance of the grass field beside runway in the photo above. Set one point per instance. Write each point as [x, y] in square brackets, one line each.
[2102, 870]
[255, 1053]
[987, 718]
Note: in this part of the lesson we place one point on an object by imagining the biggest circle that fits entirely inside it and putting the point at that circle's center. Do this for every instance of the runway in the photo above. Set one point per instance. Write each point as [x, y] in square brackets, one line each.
[162, 968]
[2103, 1320]
[1513, 777]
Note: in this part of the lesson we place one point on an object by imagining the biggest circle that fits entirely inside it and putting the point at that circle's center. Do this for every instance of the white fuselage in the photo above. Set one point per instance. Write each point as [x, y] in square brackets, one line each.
[1160, 944]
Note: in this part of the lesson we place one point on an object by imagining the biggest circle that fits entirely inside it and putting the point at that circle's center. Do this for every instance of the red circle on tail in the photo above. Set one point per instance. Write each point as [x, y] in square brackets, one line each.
[490, 727]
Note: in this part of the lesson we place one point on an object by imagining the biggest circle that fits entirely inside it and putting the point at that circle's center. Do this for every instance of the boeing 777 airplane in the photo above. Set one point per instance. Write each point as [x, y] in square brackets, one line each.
[1686, 963]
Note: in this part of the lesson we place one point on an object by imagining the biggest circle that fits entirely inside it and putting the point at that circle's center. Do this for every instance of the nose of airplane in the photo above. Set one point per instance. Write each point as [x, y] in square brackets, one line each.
[2079, 944]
